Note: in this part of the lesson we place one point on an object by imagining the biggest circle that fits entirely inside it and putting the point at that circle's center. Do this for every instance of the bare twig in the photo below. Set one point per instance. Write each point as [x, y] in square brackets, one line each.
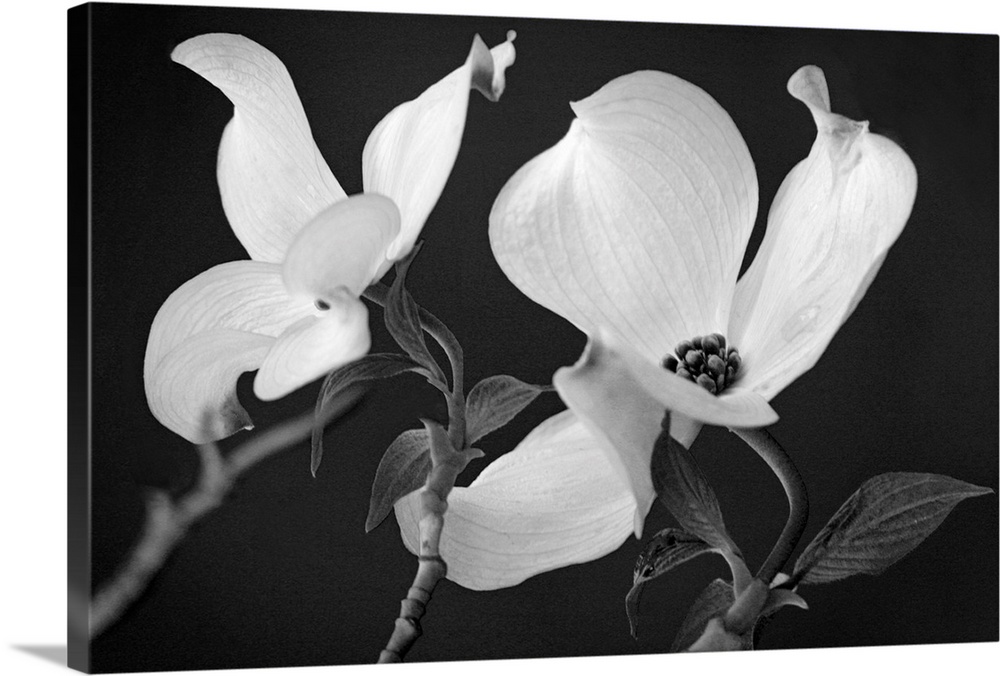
[168, 520]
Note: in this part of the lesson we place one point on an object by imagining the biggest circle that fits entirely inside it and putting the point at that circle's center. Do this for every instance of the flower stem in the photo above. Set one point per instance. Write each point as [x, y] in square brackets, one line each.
[447, 463]
[168, 520]
[378, 293]
[774, 455]
[448, 458]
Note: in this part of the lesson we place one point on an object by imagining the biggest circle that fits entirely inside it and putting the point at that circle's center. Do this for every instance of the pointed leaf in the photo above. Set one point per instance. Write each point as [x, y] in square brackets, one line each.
[880, 524]
[779, 598]
[402, 318]
[493, 402]
[713, 601]
[369, 367]
[403, 469]
[705, 630]
[668, 549]
[684, 490]
[632, 608]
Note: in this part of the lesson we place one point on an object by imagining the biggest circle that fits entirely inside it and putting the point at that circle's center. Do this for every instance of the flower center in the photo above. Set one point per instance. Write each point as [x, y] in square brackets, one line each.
[707, 361]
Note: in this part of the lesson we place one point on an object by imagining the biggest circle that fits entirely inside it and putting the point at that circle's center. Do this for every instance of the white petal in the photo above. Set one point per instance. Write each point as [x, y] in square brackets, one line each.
[684, 429]
[410, 153]
[831, 225]
[637, 219]
[272, 176]
[551, 502]
[621, 398]
[622, 416]
[240, 295]
[192, 390]
[606, 360]
[208, 331]
[341, 249]
[313, 346]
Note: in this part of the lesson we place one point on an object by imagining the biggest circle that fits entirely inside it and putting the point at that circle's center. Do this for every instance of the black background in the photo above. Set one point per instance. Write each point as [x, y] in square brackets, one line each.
[284, 574]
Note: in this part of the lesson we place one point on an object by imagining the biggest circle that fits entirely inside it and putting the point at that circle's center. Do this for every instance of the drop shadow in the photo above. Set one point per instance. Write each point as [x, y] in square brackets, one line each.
[50, 653]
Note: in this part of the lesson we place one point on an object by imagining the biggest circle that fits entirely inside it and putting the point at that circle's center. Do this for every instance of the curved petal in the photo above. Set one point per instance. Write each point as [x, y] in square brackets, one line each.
[684, 429]
[622, 416]
[551, 502]
[637, 219]
[241, 306]
[613, 386]
[410, 153]
[192, 390]
[829, 229]
[313, 346]
[341, 249]
[272, 176]
[621, 399]
[239, 295]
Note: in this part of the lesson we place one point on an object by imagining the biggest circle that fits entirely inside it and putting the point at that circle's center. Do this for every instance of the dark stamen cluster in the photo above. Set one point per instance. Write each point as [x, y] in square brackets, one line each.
[707, 361]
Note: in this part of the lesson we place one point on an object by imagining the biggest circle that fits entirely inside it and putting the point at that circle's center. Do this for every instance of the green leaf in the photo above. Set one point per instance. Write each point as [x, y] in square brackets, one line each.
[777, 599]
[369, 367]
[494, 402]
[665, 551]
[713, 601]
[403, 469]
[880, 524]
[402, 319]
[684, 491]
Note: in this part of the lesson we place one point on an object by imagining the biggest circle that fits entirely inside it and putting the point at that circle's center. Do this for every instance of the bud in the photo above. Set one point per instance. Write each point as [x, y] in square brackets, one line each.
[715, 365]
[683, 347]
[694, 359]
[707, 382]
[710, 344]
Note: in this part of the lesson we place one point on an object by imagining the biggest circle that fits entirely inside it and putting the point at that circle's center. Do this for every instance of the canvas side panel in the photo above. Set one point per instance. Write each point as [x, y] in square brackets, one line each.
[79, 339]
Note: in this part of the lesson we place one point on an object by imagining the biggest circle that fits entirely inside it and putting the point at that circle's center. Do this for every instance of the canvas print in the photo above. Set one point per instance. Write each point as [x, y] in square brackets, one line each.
[428, 338]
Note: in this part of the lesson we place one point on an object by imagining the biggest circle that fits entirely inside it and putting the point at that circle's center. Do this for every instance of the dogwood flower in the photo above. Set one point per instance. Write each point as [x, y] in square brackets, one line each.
[293, 312]
[633, 227]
